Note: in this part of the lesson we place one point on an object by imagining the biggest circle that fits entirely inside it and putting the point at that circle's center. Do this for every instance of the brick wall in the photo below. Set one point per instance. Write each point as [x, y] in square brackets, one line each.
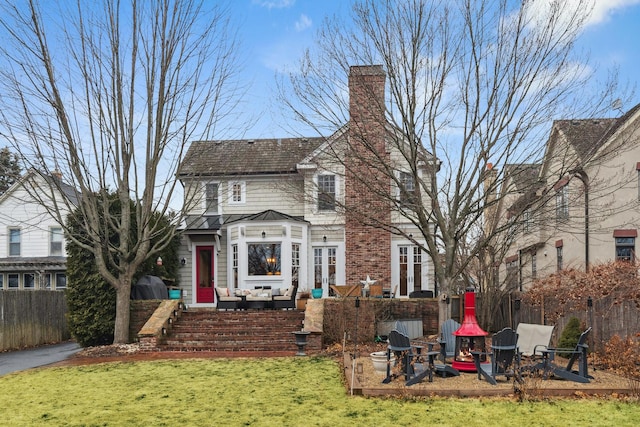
[367, 186]
[340, 317]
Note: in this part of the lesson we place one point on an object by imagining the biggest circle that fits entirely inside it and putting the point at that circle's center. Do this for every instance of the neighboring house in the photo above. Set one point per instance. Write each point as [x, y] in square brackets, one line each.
[581, 205]
[32, 249]
[270, 212]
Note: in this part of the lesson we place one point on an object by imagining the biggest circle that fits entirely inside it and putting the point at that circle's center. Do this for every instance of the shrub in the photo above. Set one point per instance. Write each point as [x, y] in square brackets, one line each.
[92, 309]
[570, 334]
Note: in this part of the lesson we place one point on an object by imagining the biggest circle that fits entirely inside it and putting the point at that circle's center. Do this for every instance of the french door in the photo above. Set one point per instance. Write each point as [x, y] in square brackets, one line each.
[325, 264]
[204, 274]
[413, 272]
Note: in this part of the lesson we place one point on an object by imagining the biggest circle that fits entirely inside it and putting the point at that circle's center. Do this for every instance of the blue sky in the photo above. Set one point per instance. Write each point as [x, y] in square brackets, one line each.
[275, 33]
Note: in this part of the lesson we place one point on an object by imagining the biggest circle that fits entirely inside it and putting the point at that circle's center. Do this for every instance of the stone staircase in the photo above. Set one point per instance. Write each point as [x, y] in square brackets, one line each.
[237, 332]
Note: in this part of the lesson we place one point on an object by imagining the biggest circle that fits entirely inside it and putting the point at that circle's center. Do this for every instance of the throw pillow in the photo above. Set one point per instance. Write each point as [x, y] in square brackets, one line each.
[223, 292]
[288, 292]
[275, 292]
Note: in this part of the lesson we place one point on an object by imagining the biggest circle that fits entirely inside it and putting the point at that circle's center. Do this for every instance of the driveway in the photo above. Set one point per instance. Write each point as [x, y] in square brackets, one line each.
[13, 361]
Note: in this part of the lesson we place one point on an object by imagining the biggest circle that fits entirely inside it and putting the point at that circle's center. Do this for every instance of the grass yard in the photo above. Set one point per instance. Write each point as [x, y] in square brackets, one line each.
[260, 392]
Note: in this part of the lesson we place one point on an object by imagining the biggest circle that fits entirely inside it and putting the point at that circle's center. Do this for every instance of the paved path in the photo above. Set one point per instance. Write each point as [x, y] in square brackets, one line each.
[13, 361]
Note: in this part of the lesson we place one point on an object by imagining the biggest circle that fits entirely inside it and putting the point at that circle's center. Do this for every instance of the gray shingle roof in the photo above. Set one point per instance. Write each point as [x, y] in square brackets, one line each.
[203, 222]
[586, 135]
[268, 215]
[246, 157]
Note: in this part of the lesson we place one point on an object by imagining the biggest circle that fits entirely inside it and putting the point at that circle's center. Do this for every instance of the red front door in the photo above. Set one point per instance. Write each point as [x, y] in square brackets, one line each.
[204, 274]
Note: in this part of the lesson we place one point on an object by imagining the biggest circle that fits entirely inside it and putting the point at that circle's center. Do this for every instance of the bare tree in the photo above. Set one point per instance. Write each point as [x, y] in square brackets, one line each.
[469, 84]
[109, 94]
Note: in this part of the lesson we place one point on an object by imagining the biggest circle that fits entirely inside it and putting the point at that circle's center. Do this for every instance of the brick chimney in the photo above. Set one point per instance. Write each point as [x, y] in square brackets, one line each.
[368, 247]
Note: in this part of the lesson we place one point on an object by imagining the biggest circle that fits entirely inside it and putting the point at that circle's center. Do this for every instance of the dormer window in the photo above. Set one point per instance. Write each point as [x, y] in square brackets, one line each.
[326, 192]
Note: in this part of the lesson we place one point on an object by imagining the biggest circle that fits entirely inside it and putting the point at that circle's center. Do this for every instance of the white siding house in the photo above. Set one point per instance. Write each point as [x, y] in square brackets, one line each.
[32, 244]
[270, 212]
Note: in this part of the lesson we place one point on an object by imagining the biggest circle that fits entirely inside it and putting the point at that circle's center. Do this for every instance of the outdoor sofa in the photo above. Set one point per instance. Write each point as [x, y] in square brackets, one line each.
[262, 297]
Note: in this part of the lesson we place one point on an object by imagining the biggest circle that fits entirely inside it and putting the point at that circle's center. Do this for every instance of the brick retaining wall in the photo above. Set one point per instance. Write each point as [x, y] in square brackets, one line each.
[141, 311]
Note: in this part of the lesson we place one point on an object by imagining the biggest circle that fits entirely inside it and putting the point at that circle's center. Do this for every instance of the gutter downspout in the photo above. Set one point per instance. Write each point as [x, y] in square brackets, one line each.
[582, 176]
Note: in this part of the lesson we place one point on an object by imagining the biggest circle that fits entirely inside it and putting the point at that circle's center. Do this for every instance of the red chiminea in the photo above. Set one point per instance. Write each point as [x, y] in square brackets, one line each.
[469, 337]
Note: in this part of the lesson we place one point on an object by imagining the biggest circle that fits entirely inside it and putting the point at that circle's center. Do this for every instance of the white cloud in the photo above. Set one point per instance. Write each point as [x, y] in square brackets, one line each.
[303, 23]
[603, 9]
[275, 4]
[601, 12]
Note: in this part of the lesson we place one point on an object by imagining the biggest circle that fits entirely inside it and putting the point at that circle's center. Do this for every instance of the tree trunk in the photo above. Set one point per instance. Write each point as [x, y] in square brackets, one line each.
[123, 303]
[444, 309]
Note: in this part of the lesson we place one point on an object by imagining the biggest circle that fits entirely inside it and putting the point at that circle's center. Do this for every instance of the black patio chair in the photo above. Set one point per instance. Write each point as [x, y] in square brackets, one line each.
[504, 357]
[413, 365]
[577, 354]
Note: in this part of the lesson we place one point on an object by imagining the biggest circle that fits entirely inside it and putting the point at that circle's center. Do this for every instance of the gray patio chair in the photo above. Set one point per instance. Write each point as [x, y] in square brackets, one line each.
[447, 340]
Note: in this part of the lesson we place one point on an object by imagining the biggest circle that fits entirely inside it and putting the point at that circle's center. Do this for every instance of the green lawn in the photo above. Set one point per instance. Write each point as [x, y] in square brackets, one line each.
[264, 392]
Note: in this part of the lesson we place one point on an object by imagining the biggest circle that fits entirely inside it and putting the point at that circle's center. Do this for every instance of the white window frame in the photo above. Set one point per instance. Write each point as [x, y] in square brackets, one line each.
[295, 262]
[13, 244]
[15, 276]
[58, 277]
[207, 204]
[318, 192]
[29, 284]
[235, 266]
[406, 181]
[53, 233]
[237, 192]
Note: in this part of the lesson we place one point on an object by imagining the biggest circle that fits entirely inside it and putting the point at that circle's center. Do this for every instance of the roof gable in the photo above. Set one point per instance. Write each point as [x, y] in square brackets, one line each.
[61, 187]
[585, 136]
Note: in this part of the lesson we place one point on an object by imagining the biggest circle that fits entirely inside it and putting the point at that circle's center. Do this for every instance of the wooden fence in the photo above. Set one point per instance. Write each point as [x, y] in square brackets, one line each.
[607, 316]
[31, 318]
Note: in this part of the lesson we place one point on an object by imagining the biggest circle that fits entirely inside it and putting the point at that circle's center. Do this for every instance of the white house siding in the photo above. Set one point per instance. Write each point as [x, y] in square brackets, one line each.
[268, 193]
[18, 209]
